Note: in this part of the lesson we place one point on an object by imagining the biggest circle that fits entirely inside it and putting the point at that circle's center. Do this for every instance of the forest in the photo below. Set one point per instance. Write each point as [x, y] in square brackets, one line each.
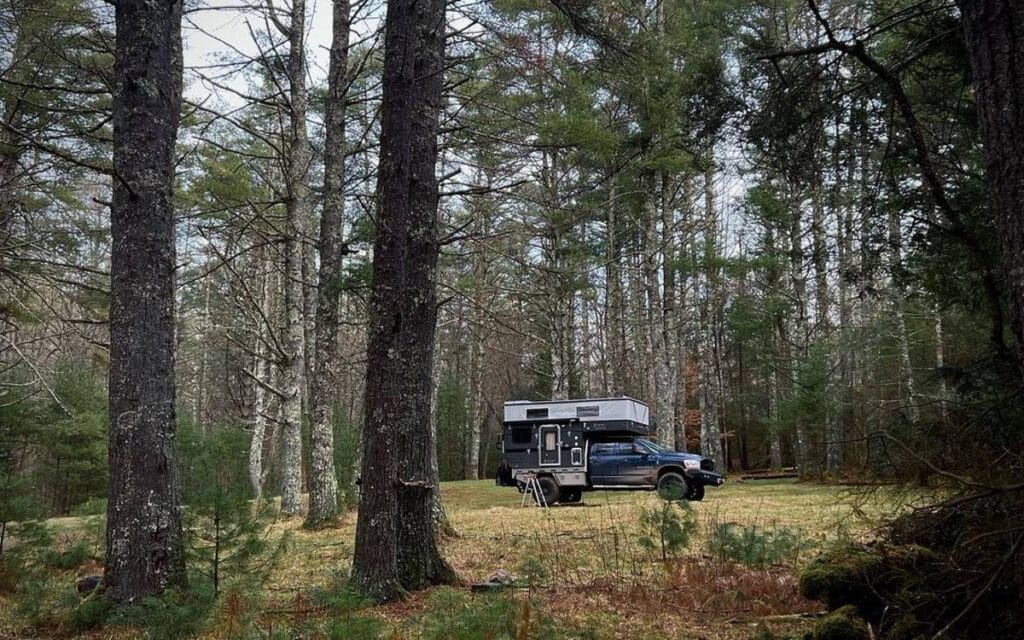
[269, 270]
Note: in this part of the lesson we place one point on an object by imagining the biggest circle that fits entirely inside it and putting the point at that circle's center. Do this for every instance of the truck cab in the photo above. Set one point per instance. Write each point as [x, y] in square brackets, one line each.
[638, 463]
[573, 446]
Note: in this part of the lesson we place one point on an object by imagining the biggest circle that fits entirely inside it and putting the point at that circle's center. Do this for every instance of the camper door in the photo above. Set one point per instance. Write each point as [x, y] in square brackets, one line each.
[550, 445]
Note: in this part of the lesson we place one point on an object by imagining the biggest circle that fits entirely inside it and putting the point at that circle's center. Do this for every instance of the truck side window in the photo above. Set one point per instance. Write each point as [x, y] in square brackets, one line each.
[600, 449]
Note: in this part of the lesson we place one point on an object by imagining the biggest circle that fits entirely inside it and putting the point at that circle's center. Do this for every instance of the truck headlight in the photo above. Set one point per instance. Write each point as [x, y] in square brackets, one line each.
[691, 464]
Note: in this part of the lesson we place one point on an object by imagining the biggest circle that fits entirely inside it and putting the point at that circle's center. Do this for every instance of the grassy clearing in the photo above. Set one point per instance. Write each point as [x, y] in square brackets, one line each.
[585, 565]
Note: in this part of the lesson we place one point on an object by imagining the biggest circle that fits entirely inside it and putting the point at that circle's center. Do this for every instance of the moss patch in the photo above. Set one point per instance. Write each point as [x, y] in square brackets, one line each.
[842, 624]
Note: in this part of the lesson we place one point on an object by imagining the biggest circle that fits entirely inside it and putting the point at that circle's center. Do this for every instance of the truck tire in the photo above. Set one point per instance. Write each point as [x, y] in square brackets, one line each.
[570, 496]
[672, 486]
[696, 493]
[549, 489]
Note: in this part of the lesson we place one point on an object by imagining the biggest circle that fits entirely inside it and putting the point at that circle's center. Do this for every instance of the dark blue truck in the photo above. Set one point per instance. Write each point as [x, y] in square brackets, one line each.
[572, 446]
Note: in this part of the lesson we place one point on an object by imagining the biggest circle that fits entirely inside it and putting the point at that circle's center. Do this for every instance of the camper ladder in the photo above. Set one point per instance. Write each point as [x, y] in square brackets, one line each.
[533, 489]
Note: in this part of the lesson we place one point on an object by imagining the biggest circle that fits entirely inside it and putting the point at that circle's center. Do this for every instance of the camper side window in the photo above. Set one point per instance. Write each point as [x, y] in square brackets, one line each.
[522, 435]
[550, 441]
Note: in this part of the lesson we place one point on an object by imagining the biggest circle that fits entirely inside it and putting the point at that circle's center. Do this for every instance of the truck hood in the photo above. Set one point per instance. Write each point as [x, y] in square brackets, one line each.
[677, 456]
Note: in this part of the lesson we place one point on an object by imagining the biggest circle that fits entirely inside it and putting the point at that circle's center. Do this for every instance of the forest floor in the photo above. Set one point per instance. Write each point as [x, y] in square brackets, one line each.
[594, 570]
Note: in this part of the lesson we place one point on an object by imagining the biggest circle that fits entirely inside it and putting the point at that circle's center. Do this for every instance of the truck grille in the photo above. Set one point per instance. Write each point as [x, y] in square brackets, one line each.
[707, 464]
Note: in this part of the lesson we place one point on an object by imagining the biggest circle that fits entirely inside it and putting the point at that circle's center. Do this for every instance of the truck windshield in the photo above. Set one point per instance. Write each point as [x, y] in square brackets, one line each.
[654, 446]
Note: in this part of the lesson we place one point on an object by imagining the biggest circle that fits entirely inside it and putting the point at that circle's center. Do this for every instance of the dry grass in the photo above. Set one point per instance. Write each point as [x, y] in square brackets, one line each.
[597, 573]
[589, 569]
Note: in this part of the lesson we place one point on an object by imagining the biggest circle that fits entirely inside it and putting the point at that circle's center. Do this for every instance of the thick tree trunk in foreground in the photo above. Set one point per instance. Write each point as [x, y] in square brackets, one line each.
[297, 213]
[995, 43]
[144, 538]
[396, 547]
[323, 483]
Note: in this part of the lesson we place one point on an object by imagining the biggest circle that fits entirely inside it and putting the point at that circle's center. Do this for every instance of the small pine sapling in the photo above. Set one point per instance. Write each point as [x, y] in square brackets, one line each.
[667, 528]
[226, 529]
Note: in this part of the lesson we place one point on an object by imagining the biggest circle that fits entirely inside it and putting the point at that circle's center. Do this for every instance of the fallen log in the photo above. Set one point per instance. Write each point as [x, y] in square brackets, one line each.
[770, 476]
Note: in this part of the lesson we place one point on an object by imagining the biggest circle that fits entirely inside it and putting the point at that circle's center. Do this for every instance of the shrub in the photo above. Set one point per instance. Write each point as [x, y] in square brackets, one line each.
[667, 528]
[177, 613]
[71, 558]
[91, 613]
[353, 627]
[533, 571]
[454, 615]
[756, 547]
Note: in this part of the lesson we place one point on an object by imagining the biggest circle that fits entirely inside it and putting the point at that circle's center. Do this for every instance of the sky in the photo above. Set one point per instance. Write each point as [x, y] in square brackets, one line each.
[216, 27]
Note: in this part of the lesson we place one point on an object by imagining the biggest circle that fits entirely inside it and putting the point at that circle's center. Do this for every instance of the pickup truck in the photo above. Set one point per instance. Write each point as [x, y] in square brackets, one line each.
[638, 463]
[594, 444]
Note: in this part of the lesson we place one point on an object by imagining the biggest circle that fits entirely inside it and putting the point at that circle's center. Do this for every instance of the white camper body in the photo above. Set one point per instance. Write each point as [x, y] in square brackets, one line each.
[586, 410]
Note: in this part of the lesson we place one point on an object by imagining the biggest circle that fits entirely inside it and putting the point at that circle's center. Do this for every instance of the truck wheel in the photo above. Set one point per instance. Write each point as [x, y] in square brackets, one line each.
[696, 493]
[549, 489]
[569, 496]
[672, 486]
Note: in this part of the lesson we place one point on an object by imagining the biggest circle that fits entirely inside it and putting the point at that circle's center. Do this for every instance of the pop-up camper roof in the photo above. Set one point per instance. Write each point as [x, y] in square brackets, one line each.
[603, 410]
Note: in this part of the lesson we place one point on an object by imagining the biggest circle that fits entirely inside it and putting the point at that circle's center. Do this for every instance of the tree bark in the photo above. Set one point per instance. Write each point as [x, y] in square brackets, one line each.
[660, 313]
[296, 224]
[995, 43]
[906, 371]
[261, 399]
[797, 330]
[145, 551]
[396, 547]
[710, 354]
[615, 305]
[323, 482]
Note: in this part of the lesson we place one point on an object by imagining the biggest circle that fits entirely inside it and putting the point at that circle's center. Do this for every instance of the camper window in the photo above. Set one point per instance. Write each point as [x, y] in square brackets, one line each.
[522, 435]
[588, 412]
[550, 441]
[533, 414]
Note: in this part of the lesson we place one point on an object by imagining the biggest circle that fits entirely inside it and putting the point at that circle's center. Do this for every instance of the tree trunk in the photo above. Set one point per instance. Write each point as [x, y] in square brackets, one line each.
[145, 551]
[797, 329]
[906, 371]
[297, 212]
[940, 365]
[660, 313]
[615, 308]
[711, 433]
[395, 545]
[995, 44]
[261, 404]
[323, 482]
[476, 409]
